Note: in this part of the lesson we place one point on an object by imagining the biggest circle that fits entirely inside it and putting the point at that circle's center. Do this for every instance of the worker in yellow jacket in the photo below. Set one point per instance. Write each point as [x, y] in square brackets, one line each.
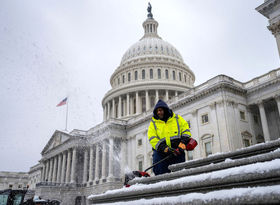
[168, 134]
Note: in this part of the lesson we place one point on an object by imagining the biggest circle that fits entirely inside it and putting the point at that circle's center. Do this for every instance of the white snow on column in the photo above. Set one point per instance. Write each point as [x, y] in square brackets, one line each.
[73, 168]
[264, 122]
[85, 166]
[111, 158]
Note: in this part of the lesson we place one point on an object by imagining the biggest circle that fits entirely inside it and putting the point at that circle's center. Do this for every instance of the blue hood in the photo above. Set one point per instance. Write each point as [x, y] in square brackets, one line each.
[167, 112]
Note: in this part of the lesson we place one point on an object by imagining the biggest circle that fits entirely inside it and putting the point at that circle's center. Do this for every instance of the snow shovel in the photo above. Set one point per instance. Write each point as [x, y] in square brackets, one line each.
[133, 174]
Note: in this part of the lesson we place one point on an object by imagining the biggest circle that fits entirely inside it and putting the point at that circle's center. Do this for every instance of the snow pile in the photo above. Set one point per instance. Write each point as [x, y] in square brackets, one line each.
[260, 167]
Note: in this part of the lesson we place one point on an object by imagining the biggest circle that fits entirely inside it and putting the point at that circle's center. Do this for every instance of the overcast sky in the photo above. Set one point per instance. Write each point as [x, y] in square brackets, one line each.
[53, 49]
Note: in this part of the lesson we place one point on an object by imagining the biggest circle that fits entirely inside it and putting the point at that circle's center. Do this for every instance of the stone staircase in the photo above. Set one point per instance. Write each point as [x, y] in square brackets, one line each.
[253, 173]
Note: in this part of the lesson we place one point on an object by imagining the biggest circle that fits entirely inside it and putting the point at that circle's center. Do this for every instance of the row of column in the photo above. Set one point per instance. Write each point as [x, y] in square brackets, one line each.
[264, 118]
[91, 167]
[113, 108]
[61, 168]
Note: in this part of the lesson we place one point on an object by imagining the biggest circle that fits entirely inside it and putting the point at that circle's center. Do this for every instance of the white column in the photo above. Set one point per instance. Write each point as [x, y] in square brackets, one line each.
[47, 170]
[137, 103]
[111, 158]
[156, 99]
[59, 169]
[85, 166]
[67, 180]
[120, 107]
[62, 180]
[113, 108]
[127, 104]
[108, 105]
[277, 98]
[54, 169]
[103, 160]
[105, 113]
[97, 164]
[73, 168]
[51, 170]
[43, 172]
[166, 95]
[264, 122]
[90, 177]
[148, 104]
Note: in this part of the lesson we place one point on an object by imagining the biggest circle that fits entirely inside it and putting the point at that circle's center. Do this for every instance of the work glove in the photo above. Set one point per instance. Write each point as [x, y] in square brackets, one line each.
[175, 152]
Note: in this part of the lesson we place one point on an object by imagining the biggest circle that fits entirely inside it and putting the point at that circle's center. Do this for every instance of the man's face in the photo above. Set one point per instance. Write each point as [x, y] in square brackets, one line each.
[160, 113]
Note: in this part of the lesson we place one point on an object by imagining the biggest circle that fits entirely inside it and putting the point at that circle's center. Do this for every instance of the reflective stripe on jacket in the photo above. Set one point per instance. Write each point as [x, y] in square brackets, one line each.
[164, 132]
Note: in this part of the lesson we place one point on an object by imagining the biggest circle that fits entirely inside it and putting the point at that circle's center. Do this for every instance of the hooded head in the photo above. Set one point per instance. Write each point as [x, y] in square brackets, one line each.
[167, 112]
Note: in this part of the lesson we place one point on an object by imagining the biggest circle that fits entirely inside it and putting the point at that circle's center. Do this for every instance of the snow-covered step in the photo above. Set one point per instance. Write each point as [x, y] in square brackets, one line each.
[228, 163]
[241, 153]
[252, 175]
[251, 195]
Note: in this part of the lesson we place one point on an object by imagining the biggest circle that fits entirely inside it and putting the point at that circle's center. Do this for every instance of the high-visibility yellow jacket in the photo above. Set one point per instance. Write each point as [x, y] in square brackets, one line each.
[174, 129]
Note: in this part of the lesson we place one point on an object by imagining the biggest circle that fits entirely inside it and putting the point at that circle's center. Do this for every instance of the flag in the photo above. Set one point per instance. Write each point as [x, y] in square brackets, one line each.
[63, 102]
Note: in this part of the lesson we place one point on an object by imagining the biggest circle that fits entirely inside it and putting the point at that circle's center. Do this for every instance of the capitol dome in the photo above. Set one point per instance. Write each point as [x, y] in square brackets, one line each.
[150, 47]
[151, 69]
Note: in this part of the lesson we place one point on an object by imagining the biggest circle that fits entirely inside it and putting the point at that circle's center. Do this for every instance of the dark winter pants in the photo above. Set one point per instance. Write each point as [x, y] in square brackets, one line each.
[162, 167]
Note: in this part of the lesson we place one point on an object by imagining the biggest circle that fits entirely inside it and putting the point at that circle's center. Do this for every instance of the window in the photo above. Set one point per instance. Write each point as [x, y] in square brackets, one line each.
[246, 142]
[10, 186]
[118, 81]
[139, 142]
[166, 74]
[140, 165]
[190, 155]
[208, 148]
[136, 75]
[143, 74]
[204, 119]
[19, 186]
[173, 74]
[152, 101]
[189, 122]
[180, 76]
[159, 73]
[151, 74]
[242, 115]
[129, 77]
[185, 78]
[123, 79]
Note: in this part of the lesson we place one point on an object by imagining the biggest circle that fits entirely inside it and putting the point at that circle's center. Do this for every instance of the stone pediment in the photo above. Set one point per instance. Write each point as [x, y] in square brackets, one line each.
[57, 139]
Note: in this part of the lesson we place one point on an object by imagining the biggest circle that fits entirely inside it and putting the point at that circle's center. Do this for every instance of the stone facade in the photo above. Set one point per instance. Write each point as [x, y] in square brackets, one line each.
[13, 180]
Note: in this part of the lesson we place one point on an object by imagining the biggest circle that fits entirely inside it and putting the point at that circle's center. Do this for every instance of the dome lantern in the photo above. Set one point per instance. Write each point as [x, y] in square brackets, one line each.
[150, 25]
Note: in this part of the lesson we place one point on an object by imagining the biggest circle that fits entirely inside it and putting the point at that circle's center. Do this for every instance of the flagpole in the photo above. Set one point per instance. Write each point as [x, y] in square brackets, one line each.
[66, 114]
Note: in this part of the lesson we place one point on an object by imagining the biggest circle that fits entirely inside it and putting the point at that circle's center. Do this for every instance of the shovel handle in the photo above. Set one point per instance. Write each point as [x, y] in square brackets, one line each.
[159, 162]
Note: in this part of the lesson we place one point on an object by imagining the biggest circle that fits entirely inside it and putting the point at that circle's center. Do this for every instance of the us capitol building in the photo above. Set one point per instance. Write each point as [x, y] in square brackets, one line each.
[224, 115]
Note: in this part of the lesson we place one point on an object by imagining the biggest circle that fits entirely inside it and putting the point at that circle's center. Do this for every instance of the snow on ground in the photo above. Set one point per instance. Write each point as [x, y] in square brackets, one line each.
[207, 197]
[260, 167]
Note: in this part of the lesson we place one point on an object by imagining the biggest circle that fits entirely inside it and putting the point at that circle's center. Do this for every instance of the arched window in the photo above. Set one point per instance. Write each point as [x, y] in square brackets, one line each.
[128, 77]
[123, 79]
[151, 74]
[136, 75]
[159, 73]
[143, 74]
[166, 74]
[173, 74]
